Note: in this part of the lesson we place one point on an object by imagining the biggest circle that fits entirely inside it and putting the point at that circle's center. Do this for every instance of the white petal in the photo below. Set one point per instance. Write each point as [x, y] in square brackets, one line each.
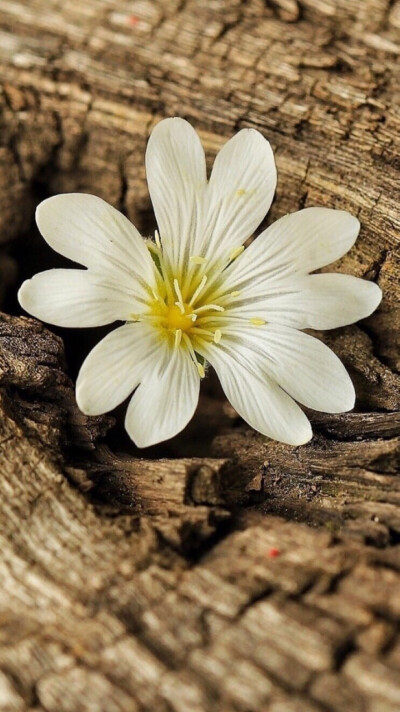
[256, 397]
[88, 230]
[297, 243]
[309, 371]
[115, 367]
[303, 366]
[75, 298]
[164, 402]
[319, 301]
[176, 175]
[239, 194]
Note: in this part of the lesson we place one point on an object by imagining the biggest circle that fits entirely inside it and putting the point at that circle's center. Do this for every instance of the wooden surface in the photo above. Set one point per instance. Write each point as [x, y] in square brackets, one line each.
[223, 572]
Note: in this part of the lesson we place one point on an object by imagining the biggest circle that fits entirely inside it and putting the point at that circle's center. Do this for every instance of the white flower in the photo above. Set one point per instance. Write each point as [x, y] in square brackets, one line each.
[196, 296]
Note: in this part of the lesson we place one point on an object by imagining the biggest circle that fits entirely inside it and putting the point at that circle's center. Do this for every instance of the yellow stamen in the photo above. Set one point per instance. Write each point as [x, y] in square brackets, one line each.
[152, 247]
[192, 352]
[179, 295]
[237, 293]
[256, 321]
[198, 290]
[217, 336]
[178, 337]
[198, 260]
[236, 252]
[212, 307]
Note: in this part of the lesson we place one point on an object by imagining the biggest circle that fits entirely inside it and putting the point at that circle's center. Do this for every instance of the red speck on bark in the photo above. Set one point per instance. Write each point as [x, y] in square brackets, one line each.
[273, 553]
[133, 20]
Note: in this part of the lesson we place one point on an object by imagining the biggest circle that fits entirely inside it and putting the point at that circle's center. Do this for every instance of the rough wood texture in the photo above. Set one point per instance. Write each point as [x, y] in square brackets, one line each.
[242, 575]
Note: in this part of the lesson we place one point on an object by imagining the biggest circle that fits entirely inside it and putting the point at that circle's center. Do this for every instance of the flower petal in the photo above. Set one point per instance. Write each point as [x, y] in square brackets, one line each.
[296, 244]
[176, 175]
[319, 301]
[115, 367]
[164, 402]
[309, 371]
[256, 397]
[75, 298]
[303, 366]
[88, 230]
[239, 194]
[333, 300]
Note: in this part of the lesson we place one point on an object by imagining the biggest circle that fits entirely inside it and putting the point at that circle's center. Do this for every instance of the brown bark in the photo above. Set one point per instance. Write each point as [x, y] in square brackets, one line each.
[225, 572]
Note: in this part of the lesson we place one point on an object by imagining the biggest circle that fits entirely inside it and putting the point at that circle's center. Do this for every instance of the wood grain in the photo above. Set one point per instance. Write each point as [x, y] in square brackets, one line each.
[223, 572]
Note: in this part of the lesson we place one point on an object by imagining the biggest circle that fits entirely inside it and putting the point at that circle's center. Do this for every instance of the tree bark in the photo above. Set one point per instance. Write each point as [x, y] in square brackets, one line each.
[224, 572]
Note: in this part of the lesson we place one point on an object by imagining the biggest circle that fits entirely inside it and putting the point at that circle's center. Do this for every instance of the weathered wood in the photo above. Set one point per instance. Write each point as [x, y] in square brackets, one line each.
[223, 572]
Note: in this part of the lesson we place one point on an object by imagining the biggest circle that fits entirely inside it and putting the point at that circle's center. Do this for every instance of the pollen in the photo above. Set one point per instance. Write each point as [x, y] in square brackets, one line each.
[176, 320]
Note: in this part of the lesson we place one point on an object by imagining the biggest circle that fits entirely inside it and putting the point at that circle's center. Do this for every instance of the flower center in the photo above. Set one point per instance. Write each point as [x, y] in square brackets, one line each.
[175, 319]
[187, 304]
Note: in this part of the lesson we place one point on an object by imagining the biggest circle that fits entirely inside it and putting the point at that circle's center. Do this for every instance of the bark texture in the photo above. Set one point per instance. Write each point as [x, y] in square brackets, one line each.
[224, 572]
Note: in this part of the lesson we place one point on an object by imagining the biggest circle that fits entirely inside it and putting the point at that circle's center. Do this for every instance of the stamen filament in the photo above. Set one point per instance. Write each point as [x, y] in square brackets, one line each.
[179, 303]
[213, 307]
[197, 260]
[207, 332]
[152, 247]
[189, 345]
[198, 290]
[164, 271]
[157, 296]
[178, 337]
[217, 269]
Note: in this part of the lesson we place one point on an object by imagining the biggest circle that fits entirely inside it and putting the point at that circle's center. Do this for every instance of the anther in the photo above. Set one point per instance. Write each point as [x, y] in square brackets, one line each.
[198, 260]
[200, 369]
[237, 293]
[217, 336]
[236, 252]
[256, 321]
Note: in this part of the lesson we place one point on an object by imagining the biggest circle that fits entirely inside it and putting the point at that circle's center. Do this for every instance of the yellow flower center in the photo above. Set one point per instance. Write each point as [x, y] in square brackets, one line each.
[188, 308]
[175, 319]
